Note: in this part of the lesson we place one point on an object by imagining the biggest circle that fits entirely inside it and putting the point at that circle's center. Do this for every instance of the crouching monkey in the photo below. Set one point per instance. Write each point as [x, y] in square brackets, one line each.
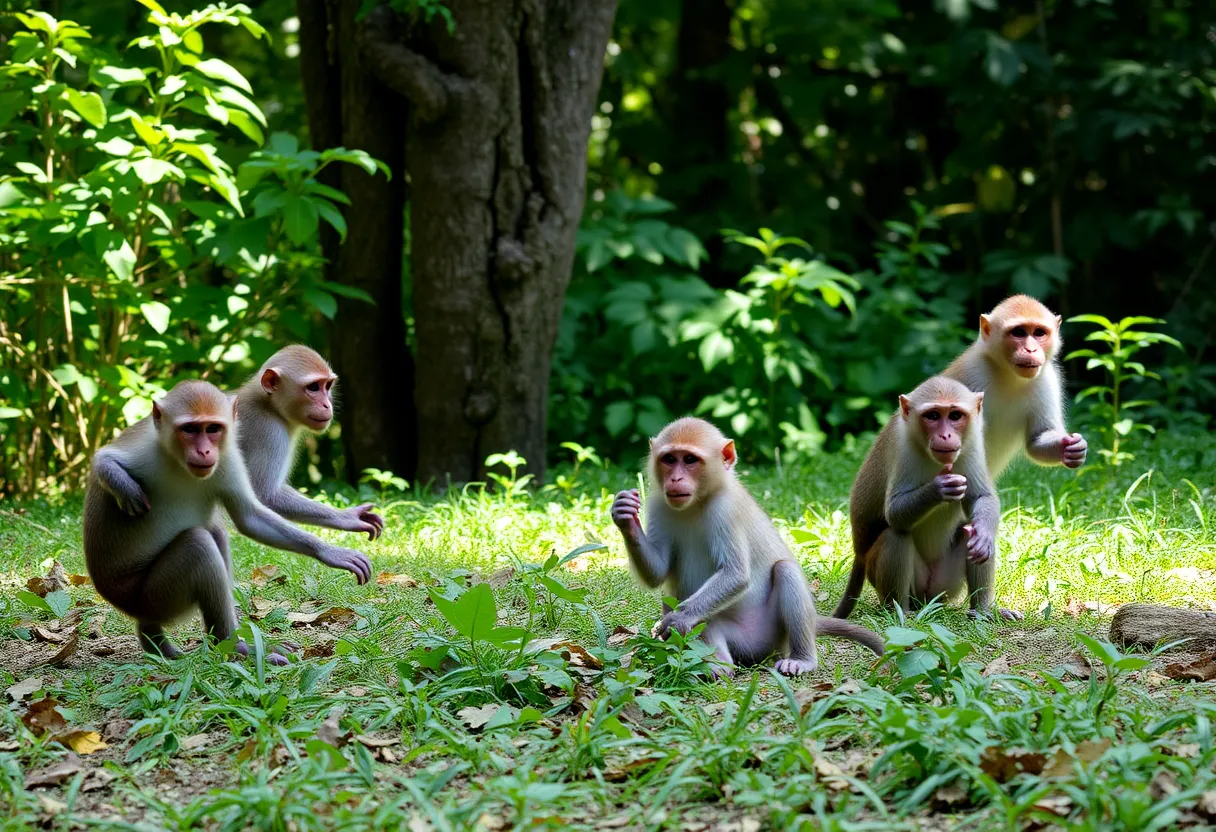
[154, 541]
[924, 510]
[721, 557]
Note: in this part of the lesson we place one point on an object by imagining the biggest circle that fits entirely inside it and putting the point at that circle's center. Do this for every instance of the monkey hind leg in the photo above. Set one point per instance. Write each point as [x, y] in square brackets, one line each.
[890, 566]
[190, 572]
[791, 601]
[153, 639]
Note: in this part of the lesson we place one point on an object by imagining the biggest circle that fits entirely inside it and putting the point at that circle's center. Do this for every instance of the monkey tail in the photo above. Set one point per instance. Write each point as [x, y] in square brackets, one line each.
[853, 632]
[857, 581]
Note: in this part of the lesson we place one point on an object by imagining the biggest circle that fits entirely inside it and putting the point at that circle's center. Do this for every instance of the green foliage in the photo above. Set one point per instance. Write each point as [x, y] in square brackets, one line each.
[1109, 407]
[129, 254]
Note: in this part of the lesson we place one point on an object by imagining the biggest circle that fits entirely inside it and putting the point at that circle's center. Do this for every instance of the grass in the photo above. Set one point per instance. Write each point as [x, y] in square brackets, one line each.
[548, 712]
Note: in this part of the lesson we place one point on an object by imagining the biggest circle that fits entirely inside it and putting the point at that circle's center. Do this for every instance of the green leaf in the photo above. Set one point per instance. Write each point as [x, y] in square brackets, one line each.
[89, 106]
[34, 601]
[118, 76]
[352, 292]
[716, 347]
[218, 70]
[157, 315]
[59, 602]
[284, 144]
[150, 171]
[193, 41]
[66, 375]
[226, 188]
[917, 662]
[904, 637]
[474, 615]
[324, 302]
[1002, 62]
[121, 261]
[331, 215]
[117, 146]
[11, 413]
[300, 220]
[618, 416]
[153, 5]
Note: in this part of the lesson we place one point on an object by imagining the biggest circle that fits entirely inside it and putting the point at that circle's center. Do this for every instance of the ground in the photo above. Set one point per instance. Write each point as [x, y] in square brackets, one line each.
[420, 703]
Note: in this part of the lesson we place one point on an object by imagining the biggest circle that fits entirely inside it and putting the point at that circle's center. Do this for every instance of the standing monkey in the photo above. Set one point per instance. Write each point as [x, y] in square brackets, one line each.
[924, 477]
[154, 542]
[720, 555]
[1013, 362]
[292, 393]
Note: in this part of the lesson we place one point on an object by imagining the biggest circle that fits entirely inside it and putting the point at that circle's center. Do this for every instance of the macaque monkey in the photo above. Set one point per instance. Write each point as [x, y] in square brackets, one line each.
[923, 508]
[1013, 362]
[292, 393]
[154, 541]
[720, 555]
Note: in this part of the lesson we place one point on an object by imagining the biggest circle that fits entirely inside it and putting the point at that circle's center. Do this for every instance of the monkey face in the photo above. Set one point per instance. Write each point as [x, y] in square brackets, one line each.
[303, 399]
[200, 443]
[314, 404]
[1028, 347]
[680, 471]
[944, 427]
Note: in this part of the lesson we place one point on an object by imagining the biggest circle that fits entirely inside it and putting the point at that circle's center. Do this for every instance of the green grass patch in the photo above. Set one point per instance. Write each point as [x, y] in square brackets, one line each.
[500, 676]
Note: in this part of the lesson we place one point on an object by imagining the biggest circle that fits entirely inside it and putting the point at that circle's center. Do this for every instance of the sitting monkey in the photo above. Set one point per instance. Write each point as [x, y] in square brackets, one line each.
[720, 555]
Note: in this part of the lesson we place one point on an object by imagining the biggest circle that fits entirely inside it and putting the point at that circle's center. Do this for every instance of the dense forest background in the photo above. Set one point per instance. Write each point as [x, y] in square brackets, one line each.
[161, 216]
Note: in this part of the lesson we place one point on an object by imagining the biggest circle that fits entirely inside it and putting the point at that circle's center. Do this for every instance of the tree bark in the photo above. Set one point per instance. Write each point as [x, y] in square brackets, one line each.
[1148, 625]
[497, 141]
[348, 106]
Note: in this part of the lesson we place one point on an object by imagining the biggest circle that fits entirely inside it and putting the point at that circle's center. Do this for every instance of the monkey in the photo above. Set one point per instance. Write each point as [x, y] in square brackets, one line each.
[292, 393]
[720, 555]
[923, 509]
[154, 544]
[1014, 362]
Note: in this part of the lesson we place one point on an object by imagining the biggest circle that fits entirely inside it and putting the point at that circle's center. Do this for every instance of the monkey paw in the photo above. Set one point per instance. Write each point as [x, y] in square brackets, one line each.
[994, 614]
[721, 670]
[795, 667]
[1073, 450]
[362, 520]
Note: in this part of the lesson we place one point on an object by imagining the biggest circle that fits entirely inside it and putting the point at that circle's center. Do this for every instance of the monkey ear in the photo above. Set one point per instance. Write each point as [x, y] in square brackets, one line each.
[157, 414]
[905, 407]
[270, 380]
[1059, 321]
[985, 326]
[979, 402]
[234, 401]
[729, 455]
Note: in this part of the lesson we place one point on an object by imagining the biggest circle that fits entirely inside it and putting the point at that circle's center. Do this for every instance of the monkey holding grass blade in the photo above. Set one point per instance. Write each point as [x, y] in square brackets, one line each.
[924, 510]
[291, 393]
[154, 541]
[720, 555]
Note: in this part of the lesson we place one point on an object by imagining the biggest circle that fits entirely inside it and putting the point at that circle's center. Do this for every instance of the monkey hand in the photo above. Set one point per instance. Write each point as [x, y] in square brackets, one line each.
[625, 510]
[950, 487]
[347, 559]
[362, 519]
[1073, 449]
[981, 544]
[131, 499]
[681, 622]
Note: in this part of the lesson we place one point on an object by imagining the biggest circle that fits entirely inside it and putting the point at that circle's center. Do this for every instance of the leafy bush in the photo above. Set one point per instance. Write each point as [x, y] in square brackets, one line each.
[127, 248]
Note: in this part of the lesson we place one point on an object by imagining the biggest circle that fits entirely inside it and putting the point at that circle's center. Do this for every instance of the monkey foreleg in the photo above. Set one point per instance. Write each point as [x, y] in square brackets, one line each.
[791, 604]
[981, 579]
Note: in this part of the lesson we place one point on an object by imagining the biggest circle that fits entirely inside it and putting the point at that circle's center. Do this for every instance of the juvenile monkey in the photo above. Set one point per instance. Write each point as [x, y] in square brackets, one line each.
[153, 539]
[290, 394]
[720, 555]
[1013, 362]
[923, 480]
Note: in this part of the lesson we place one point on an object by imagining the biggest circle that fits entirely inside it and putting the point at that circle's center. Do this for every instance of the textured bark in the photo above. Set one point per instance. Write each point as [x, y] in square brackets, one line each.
[496, 151]
[1148, 625]
[349, 107]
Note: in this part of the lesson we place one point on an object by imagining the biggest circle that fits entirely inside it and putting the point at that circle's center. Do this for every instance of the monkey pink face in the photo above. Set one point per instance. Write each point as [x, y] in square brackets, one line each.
[680, 470]
[945, 426]
[1028, 346]
[200, 443]
[314, 403]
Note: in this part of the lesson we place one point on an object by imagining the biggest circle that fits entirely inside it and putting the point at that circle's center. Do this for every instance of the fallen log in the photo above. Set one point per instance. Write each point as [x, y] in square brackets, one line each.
[1147, 625]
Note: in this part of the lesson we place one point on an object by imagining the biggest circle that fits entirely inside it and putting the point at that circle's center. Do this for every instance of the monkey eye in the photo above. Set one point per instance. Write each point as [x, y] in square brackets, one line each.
[668, 459]
[1039, 332]
[214, 428]
[956, 415]
[315, 387]
[689, 459]
[932, 415]
[191, 429]
[1018, 332]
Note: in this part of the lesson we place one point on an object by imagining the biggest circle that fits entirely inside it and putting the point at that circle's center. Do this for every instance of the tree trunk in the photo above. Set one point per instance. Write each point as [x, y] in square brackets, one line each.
[1148, 625]
[497, 143]
[348, 107]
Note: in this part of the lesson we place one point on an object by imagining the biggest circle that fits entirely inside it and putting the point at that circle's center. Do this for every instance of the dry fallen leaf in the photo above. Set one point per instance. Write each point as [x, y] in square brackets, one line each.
[194, 742]
[342, 616]
[331, 732]
[621, 773]
[66, 651]
[116, 729]
[1163, 785]
[261, 607]
[491, 822]
[320, 650]
[389, 579]
[478, 717]
[80, 580]
[24, 688]
[54, 581]
[54, 774]
[1003, 764]
[1207, 803]
[997, 666]
[49, 636]
[265, 575]
[831, 775]
[575, 654]
[9, 745]
[358, 691]
[1078, 667]
[96, 779]
[501, 578]
[387, 755]
[1064, 764]
[950, 797]
[1059, 805]
[1201, 670]
[1074, 607]
[247, 751]
[82, 742]
[376, 742]
[584, 697]
[43, 717]
[621, 635]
